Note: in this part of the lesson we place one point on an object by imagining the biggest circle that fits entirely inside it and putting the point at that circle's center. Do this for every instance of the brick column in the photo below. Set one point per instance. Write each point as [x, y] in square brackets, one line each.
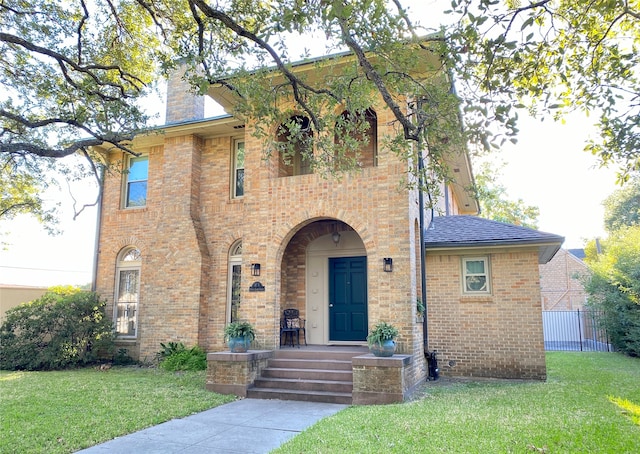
[381, 380]
[234, 373]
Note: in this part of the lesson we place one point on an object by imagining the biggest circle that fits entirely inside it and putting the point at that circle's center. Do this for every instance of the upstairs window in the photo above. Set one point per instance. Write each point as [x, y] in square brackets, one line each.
[238, 169]
[361, 127]
[295, 147]
[136, 176]
[475, 274]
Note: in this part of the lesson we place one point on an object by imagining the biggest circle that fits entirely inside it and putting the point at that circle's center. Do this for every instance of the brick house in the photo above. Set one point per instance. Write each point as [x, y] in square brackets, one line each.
[560, 285]
[201, 229]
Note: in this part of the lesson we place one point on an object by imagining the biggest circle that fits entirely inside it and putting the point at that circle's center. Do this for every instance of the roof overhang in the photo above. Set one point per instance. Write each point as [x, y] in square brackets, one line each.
[221, 126]
[313, 69]
[460, 165]
[546, 250]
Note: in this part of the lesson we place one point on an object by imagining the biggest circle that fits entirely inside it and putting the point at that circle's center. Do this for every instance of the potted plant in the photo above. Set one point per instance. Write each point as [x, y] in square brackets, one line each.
[420, 309]
[381, 339]
[239, 336]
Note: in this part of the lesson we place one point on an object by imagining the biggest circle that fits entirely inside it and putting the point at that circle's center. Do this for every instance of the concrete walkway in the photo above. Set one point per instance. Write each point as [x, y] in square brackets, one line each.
[243, 426]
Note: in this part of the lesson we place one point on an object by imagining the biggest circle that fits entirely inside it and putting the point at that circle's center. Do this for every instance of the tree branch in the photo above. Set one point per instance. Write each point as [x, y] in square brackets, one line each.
[411, 132]
[88, 70]
[295, 82]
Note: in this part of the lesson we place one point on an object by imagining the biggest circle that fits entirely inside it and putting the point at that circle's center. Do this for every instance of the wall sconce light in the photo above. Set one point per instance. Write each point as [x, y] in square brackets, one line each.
[387, 264]
[255, 269]
[336, 238]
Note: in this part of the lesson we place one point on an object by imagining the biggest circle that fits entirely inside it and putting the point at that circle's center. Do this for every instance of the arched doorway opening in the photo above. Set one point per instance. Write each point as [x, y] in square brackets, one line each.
[324, 275]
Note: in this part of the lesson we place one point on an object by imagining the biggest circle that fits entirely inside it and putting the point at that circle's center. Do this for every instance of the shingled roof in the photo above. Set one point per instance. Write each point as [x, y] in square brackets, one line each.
[446, 232]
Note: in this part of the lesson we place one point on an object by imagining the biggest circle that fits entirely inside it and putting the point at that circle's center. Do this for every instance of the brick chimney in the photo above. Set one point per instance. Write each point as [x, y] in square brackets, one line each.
[182, 104]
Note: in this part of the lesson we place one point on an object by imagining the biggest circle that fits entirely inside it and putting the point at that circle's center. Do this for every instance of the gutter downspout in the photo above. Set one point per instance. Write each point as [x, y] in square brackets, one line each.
[430, 356]
[96, 244]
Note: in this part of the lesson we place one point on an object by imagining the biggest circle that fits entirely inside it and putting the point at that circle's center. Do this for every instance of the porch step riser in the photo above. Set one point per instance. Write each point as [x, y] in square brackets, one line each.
[319, 355]
[305, 385]
[337, 398]
[307, 374]
[310, 364]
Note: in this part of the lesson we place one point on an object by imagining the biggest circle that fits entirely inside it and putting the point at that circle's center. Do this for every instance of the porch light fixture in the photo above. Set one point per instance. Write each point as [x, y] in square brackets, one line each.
[387, 264]
[255, 269]
[336, 238]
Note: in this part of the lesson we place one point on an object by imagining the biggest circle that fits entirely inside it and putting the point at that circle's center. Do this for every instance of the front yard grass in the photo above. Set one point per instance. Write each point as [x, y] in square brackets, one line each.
[586, 405]
[590, 403]
[63, 411]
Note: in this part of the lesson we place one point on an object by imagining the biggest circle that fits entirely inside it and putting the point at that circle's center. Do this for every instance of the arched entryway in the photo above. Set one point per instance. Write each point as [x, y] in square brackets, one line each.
[324, 275]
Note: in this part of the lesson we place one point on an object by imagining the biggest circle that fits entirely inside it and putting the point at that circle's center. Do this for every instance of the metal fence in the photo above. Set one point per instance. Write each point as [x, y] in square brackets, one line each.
[576, 330]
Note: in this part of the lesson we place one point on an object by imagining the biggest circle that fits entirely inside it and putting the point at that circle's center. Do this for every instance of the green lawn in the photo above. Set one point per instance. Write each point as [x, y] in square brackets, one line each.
[575, 411]
[590, 403]
[61, 412]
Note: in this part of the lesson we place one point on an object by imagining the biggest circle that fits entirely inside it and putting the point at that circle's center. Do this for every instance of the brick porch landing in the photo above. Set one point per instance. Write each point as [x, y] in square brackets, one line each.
[310, 373]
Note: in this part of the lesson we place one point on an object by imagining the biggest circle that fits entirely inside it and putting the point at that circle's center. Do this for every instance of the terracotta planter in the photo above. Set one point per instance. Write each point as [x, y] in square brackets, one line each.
[386, 349]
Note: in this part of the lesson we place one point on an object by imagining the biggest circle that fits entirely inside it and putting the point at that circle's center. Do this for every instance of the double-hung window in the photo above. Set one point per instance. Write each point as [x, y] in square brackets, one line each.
[238, 169]
[475, 274]
[137, 175]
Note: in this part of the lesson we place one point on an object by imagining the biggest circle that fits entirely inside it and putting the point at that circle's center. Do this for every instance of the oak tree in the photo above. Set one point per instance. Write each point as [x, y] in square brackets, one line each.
[73, 75]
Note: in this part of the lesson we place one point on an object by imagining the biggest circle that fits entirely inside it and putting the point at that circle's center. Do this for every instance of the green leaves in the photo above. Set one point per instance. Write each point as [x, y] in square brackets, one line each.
[557, 57]
[614, 287]
[495, 204]
[64, 328]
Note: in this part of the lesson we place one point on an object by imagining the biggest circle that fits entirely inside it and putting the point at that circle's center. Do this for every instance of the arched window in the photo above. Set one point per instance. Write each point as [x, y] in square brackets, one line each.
[294, 145]
[127, 292]
[235, 277]
[361, 126]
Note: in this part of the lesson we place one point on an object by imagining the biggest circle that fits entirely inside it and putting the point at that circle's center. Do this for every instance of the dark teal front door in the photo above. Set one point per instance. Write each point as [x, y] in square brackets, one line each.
[348, 299]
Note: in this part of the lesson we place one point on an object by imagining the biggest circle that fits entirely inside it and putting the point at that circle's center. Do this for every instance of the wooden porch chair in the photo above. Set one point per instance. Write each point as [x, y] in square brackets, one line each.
[291, 324]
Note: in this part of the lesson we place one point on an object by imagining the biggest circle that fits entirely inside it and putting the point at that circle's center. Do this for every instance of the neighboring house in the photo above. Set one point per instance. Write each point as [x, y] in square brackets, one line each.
[13, 295]
[560, 281]
[201, 229]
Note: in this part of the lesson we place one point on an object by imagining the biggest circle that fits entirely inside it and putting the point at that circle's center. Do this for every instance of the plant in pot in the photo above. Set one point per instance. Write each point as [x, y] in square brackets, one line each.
[381, 339]
[239, 336]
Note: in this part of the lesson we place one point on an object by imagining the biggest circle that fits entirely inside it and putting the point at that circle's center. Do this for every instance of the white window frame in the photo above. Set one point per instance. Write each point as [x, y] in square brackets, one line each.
[235, 259]
[126, 183]
[235, 168]
[466, 275]
[126, 264]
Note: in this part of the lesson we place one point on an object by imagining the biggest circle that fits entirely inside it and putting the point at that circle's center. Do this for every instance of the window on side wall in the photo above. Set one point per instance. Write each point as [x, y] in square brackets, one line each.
[136, 176]
[238, 169]
[127, 293]
[475, 275]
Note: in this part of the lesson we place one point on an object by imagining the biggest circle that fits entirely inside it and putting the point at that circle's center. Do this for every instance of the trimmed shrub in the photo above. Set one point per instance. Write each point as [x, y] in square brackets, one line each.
[64, 328]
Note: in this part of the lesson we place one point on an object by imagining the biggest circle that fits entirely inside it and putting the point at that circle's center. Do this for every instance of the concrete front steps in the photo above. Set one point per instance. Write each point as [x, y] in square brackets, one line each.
[314, 374]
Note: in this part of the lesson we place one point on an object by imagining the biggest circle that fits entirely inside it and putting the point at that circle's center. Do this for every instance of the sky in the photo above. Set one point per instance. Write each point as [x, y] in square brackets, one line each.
[546, 168]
